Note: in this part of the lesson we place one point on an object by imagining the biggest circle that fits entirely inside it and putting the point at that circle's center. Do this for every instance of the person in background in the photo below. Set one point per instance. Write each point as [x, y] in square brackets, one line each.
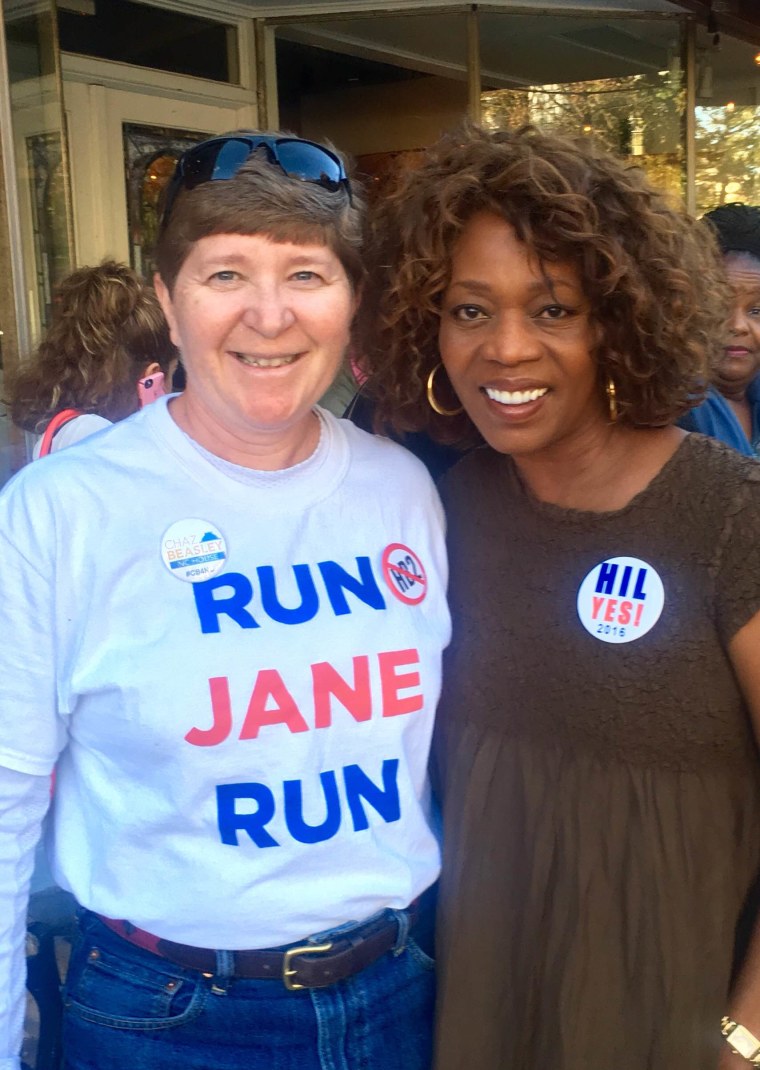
[106, 353]
[731, 411]
[596, 741]
[223, 622]
[341, 392]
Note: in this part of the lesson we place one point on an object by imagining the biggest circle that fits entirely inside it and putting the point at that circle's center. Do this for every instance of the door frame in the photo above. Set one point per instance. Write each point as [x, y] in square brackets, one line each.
[99, 96]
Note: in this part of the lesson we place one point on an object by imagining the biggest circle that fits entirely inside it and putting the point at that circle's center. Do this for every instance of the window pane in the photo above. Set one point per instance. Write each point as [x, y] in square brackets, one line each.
[150, 156]
[128, 32]
[727, 122]
[616, 81]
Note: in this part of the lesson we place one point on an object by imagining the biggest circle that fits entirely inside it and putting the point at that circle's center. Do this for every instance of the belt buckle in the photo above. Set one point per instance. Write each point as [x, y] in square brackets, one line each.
[288, 956]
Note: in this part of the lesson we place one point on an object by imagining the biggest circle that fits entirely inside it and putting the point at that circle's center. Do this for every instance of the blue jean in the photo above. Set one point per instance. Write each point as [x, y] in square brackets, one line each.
[127, 1009]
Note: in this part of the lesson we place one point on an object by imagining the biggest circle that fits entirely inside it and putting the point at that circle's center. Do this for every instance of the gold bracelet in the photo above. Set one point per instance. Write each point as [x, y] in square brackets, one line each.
[741, 1040]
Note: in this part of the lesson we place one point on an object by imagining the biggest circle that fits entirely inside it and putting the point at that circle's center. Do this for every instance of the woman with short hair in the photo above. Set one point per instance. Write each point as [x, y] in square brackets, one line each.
[731, 410]
[224, 620]
[597, 731]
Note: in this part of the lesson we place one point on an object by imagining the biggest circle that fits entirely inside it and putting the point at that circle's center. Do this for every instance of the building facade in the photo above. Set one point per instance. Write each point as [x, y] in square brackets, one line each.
[98, 97]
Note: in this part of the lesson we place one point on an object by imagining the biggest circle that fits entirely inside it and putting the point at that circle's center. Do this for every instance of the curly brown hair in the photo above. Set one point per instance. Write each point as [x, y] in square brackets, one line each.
[653, 276]
[107, 327]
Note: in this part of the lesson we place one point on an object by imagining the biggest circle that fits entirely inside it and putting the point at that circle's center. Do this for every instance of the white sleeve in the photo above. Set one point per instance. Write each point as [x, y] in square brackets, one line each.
[32, 734]
[24, 799]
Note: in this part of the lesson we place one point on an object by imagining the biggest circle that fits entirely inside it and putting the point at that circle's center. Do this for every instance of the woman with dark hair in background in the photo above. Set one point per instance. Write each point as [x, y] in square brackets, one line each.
[596, 740]
[105, 353]
[731, 411]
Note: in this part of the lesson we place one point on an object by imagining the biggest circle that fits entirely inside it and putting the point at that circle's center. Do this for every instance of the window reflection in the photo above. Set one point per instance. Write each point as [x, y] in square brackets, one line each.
[728, 162]
[51, 243]
[150, 155]
[618, 82]
[636, 116]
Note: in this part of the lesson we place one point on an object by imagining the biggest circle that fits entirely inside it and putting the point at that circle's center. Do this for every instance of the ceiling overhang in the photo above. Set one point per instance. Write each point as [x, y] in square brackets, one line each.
[738, 17]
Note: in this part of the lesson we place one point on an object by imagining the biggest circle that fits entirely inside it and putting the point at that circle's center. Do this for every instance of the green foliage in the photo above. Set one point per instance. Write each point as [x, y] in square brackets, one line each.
[728, 156]
[638, 116]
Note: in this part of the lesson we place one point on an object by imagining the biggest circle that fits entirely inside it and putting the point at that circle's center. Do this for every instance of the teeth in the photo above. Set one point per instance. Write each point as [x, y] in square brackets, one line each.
[515, 397]
[264, 362]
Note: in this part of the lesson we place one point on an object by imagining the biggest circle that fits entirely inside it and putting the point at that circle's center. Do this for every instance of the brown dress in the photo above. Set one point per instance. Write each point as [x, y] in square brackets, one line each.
[601, 799]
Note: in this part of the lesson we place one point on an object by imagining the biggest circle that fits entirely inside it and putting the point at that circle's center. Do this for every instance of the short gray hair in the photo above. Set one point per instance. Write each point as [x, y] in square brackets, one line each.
[262, 199]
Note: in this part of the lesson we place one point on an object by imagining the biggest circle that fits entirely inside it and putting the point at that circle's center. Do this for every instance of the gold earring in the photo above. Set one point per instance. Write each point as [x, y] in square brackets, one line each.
[431, 397]
[612, 404]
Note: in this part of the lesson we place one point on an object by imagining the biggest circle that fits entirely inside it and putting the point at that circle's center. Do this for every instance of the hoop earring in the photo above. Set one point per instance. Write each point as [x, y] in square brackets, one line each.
[612, 404]
[431, 397]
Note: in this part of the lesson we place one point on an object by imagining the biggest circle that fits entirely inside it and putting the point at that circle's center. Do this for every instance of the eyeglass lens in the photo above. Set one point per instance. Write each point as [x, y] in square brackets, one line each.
[307, 161]
[222, 158]
[213, 160]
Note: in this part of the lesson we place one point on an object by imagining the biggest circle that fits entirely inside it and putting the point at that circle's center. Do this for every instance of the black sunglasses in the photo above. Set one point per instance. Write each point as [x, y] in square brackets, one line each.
[221, 158]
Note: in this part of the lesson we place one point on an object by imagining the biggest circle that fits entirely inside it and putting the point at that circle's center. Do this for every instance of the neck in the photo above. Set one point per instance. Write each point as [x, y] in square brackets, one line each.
[603, 471]
[741, 409]
[264, 450]
[736, 393]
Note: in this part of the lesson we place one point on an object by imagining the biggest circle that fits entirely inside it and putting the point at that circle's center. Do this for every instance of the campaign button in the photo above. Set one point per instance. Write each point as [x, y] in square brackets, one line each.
[404, 574]
[193, 550]
[620, 600]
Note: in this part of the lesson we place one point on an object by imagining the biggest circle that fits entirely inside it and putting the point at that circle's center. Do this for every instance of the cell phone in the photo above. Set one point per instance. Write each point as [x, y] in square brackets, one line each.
[150, 388]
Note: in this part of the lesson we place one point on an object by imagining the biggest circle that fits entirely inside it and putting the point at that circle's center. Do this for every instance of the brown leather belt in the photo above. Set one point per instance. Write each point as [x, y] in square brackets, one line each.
[307, 965]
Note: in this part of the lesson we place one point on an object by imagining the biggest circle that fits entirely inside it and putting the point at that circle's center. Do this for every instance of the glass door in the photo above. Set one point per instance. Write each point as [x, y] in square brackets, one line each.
[38, 232]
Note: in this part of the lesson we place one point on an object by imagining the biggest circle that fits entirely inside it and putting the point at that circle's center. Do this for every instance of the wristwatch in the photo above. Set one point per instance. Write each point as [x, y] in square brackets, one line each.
[741, 1040]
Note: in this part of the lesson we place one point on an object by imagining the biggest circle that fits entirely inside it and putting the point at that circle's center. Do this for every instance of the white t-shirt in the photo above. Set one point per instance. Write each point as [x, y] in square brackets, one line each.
[241, 755]
[76, 429]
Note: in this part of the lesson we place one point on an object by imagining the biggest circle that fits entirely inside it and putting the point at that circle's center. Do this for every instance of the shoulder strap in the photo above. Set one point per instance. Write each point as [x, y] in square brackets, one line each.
[59, 420]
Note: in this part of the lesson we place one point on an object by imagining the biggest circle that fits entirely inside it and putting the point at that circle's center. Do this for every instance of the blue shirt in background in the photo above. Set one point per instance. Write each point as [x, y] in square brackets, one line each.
[716, 418]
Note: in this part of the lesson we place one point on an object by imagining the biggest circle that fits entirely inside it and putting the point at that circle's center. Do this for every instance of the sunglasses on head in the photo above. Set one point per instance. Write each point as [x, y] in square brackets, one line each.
[220, 158]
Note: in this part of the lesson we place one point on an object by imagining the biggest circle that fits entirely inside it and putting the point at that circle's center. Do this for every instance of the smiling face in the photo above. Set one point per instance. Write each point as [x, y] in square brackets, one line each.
[262, 328]
[740, 361]
[517, 342]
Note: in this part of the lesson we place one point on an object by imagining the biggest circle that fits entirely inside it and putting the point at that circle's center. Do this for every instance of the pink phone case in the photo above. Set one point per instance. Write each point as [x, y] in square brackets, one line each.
[150, 388]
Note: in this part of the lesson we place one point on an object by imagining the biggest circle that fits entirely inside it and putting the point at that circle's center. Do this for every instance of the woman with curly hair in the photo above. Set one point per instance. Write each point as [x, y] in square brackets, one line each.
[104, 355]
[596, 754]
[731, 410]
